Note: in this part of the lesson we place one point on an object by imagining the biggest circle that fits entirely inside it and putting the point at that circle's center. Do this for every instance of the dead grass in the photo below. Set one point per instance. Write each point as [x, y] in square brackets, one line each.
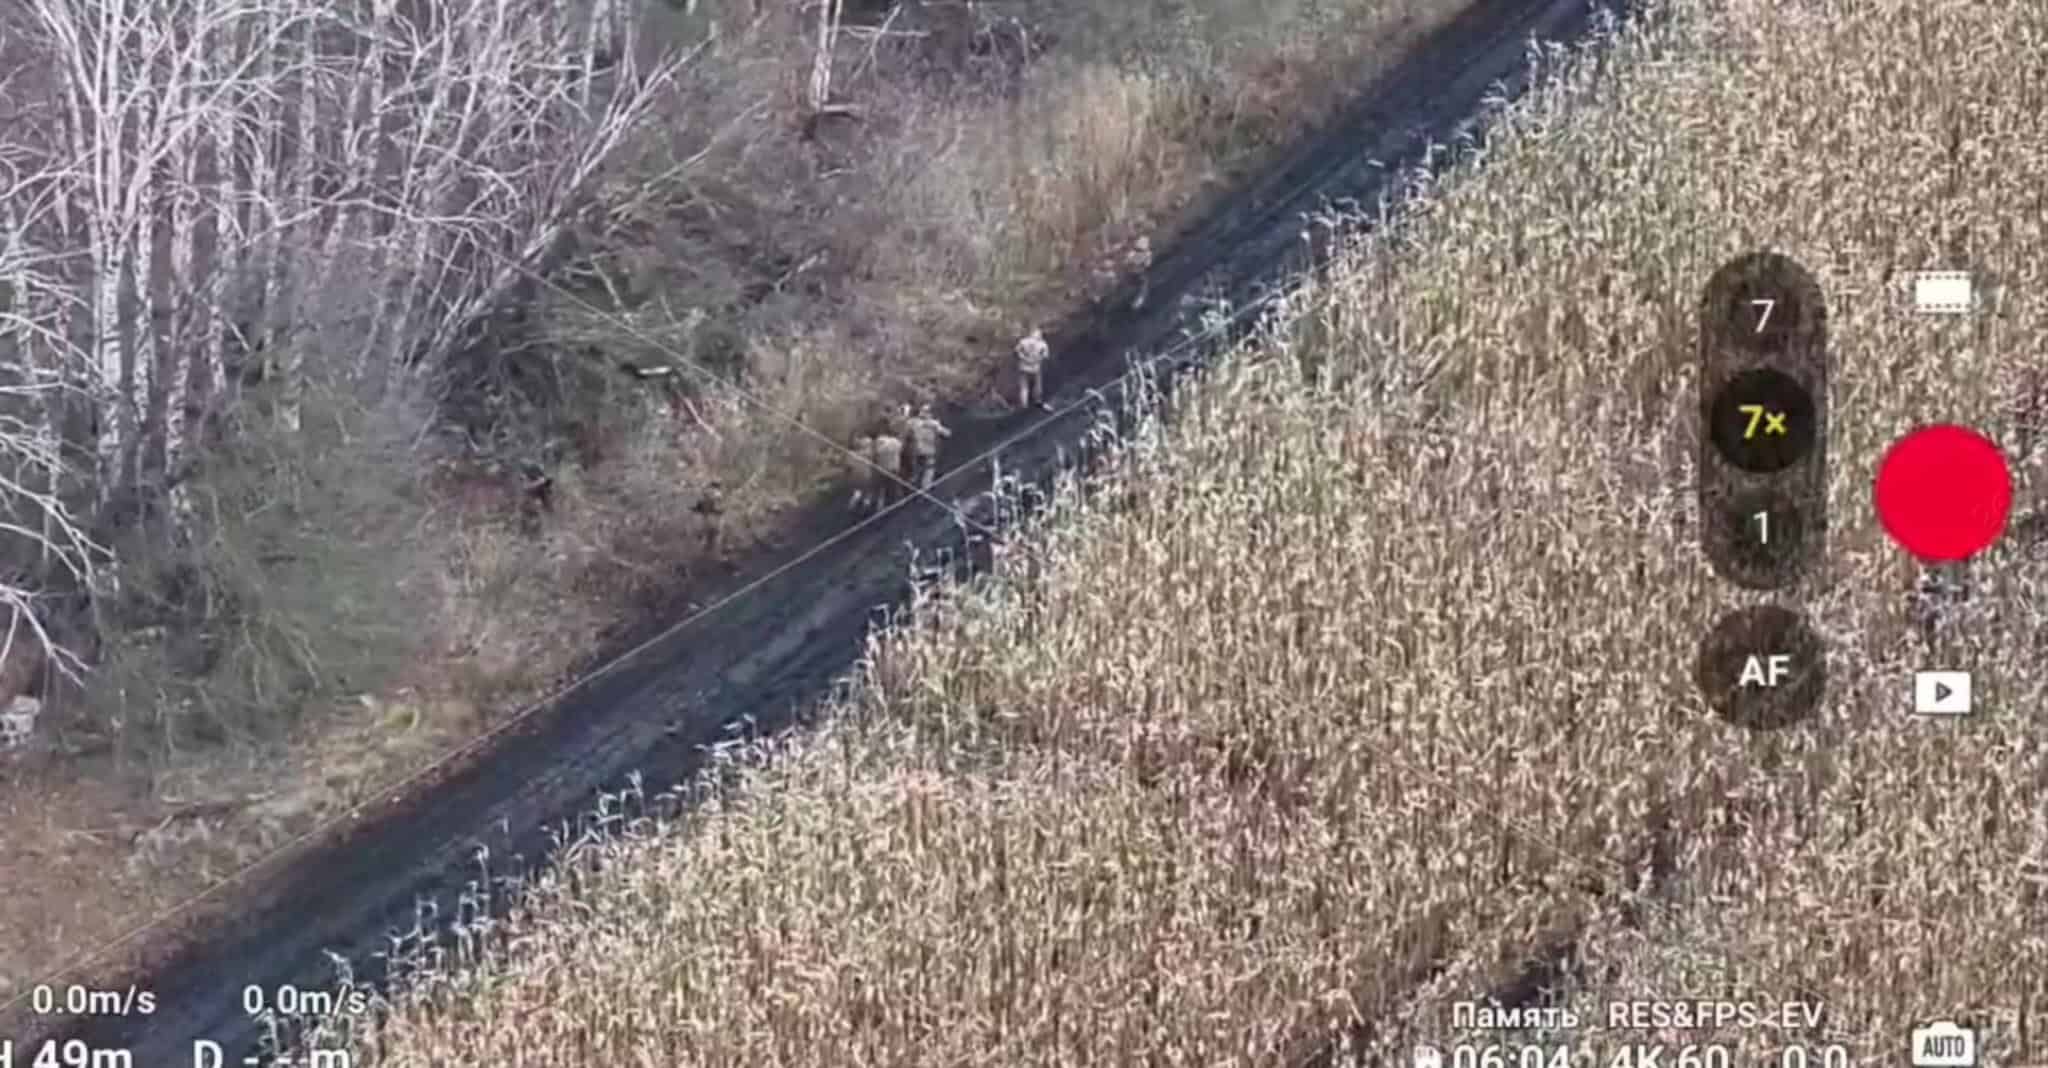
[897, 260]
[1339, 681]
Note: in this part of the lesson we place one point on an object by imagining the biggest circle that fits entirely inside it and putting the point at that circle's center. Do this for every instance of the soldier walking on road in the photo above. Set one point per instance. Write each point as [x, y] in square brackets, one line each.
[887, 455]
[1031, 355]
[711, 512]
[925, 432]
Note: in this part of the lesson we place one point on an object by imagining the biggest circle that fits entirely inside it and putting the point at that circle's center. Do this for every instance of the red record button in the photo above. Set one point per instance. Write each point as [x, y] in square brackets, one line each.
[1944, 493]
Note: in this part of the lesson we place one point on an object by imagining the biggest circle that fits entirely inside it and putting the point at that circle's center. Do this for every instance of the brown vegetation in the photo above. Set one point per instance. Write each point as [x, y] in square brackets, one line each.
[833, 270]
[1367, 689]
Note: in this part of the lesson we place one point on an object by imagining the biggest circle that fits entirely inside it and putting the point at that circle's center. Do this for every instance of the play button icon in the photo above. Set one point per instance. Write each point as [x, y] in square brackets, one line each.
[1941, 693]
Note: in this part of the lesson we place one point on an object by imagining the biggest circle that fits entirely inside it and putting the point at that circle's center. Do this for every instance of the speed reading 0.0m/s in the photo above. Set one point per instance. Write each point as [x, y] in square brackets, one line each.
[292, 1001]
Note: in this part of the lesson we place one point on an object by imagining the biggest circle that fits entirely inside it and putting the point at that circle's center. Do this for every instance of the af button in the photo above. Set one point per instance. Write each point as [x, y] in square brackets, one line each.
[1762, 668]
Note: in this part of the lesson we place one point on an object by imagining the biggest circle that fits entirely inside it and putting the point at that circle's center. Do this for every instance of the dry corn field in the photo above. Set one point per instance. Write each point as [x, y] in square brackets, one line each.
[1371, 677]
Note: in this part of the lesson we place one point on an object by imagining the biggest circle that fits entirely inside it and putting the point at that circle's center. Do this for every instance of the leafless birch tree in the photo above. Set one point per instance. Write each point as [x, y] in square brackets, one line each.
[827, 44]
[208, 193]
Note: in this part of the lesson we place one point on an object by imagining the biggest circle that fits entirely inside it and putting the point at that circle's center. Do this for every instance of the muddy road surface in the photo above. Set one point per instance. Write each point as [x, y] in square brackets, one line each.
[779, 636]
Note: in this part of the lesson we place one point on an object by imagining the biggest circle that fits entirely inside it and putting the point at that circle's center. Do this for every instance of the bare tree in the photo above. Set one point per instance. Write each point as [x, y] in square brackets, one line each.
[820, 88]
[201, 194]
[45, 537]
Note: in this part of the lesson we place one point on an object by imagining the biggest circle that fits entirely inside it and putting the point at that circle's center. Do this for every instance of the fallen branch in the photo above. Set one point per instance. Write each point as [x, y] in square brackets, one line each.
[698, 417]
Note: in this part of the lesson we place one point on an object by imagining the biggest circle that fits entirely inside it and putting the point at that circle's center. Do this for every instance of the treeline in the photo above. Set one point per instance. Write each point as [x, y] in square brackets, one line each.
[242, 247]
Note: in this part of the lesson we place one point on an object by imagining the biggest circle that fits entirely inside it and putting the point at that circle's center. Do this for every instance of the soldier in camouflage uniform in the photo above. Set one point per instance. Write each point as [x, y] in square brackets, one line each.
[1031, 355]
[1138, 261]
[536, 496]
[887, 457]
[925, 432]
[711, 512]
[867, 482]
[1135, 259]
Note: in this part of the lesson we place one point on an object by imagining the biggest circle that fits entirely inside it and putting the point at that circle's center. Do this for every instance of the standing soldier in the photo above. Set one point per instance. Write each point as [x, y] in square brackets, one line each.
[1138, 261]
[711, 512]
[867, 482]
[925, 432]
[1031, 354]
[537, 495]
[886, 452]
[885, 466]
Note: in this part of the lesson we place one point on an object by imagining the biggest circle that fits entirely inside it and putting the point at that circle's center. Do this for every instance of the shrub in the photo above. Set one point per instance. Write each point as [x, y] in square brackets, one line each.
[294, 580]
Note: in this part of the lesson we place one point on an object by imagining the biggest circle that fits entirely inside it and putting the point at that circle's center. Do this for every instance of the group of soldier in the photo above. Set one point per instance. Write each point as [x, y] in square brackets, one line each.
[1134, 261]
[903, 453]
[879, 457]
[881, 474]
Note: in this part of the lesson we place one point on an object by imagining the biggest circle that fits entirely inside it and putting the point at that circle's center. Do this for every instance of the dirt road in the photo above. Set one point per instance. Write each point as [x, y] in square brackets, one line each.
[771, 651]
